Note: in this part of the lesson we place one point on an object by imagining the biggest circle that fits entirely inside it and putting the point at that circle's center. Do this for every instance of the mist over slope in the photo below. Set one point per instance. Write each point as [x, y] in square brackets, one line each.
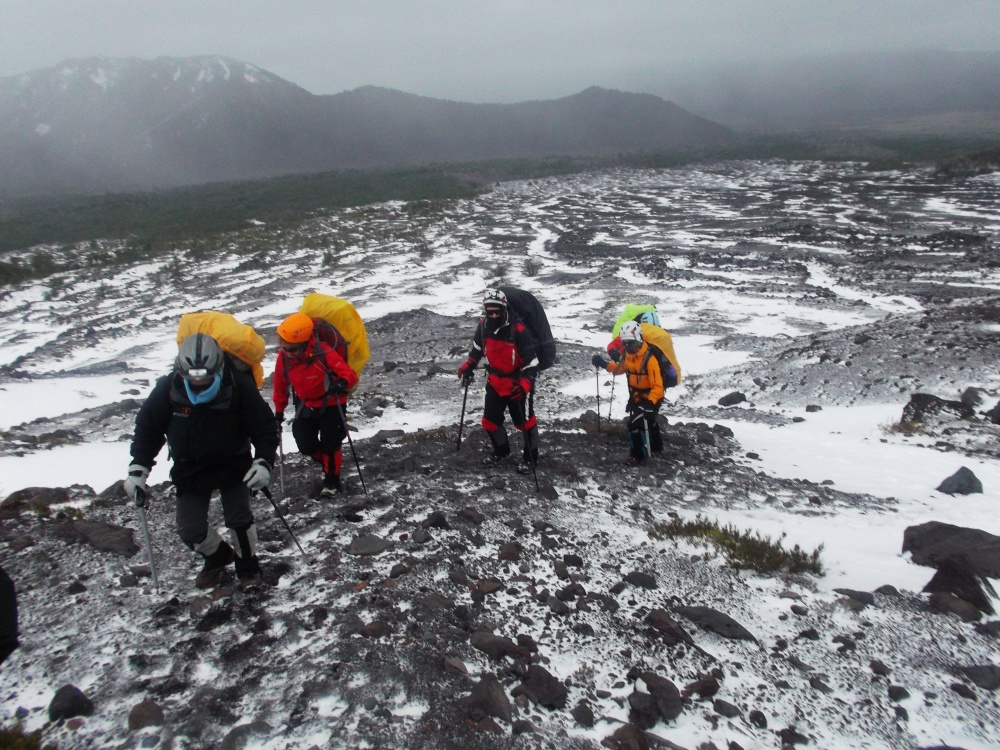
[947, 92]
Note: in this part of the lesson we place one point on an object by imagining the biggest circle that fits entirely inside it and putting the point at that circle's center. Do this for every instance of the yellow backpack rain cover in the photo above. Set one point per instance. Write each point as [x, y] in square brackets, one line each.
[662, 341]
[341, 315]
[235, 338]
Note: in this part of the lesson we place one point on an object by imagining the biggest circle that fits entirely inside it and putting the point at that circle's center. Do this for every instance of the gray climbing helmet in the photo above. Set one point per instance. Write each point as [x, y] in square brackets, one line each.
[200, 358]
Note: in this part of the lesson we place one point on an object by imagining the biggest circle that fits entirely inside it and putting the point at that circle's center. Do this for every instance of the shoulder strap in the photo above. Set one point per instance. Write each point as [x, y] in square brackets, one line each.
[645, 358]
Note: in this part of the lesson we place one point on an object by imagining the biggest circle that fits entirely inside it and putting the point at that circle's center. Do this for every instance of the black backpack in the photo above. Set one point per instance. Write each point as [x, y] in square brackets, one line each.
[530, 310]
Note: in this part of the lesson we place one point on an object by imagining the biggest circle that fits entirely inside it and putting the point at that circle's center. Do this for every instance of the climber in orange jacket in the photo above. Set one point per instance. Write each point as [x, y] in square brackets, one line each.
[645, 387]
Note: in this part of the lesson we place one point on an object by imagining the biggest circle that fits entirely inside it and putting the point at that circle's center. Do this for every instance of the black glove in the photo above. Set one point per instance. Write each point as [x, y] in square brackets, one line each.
[599, 362]
[279, 417]
[338, 386]
[645, 407]
[615, 354]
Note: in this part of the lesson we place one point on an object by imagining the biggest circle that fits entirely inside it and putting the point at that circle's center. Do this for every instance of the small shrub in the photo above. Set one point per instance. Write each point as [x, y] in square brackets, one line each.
[257, 263]
[424, 250]
[531, 267]
[14, 738]
[903, 427]
[497, 275]
[743, 549]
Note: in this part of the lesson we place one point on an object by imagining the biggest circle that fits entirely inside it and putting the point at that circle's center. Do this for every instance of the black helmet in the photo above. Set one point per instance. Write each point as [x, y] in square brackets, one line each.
[199, 358]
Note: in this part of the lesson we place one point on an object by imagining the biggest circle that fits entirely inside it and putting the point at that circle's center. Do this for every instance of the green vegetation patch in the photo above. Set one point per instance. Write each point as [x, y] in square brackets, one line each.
[742, 549]
[14, 738]
[184, 213]
[905, 427]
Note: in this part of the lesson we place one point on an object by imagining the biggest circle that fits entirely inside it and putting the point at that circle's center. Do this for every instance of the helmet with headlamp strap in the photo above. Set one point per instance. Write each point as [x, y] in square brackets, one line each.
[200, 358]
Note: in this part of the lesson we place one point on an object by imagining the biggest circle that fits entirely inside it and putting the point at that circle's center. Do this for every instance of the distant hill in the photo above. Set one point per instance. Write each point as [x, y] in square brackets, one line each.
[110, 125]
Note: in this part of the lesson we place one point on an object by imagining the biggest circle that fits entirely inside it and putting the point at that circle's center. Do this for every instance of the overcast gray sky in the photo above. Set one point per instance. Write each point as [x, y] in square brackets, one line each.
[489, 51]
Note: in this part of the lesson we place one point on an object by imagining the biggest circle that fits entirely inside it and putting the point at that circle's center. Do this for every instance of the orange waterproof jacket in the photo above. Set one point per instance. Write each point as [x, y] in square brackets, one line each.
[644, 378]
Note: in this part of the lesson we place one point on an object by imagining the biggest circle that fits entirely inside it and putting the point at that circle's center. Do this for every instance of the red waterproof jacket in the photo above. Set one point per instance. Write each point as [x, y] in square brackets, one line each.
[310, 376]
[512, 355]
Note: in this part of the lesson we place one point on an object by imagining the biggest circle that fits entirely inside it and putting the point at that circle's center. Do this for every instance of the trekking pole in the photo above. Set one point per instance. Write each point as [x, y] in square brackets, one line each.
[461, 419]
[611, 403]
[343, 420]
[597, 380]
[142, 498]
[531, 460]
[281, 466]
[269, 496]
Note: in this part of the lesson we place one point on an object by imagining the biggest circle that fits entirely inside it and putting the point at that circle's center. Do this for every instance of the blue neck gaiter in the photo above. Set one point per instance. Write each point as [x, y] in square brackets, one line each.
[203, 397]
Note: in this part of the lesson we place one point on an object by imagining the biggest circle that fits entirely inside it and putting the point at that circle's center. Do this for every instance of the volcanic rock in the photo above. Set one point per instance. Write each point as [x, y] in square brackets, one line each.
[962, 482]
[541, 687]
[69, 701]
[717, 622]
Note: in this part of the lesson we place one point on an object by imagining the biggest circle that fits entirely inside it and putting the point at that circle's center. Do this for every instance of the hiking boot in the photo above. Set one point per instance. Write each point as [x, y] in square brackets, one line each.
[214, 565]
[248, 572]
[494, 460]
[331, 486]
[632, 461]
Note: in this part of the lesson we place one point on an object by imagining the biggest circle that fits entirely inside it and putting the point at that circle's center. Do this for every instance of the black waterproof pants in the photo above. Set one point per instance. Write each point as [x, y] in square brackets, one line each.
[521, 414]
[320, 433]
[192, 513]
[643, 424]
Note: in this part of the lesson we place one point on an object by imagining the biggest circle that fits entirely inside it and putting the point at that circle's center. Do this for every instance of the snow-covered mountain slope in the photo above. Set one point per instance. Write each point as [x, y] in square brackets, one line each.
[826, 294]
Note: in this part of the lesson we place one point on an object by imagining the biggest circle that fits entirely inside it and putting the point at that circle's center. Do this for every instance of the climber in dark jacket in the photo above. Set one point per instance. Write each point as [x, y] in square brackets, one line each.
[209, 414]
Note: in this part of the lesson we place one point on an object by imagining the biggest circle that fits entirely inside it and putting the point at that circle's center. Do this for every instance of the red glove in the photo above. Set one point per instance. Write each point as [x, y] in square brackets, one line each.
[465, 372]
[520, 389]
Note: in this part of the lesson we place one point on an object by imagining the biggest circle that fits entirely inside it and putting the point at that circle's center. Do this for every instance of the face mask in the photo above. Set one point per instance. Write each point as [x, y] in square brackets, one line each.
[495, 323]
[205, 395]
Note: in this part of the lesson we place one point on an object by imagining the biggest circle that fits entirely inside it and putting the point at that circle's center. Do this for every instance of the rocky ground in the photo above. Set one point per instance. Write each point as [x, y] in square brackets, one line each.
[451, 607]
[446, 605]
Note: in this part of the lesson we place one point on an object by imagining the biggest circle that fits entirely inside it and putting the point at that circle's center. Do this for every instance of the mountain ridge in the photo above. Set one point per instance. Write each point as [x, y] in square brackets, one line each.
[122, 124]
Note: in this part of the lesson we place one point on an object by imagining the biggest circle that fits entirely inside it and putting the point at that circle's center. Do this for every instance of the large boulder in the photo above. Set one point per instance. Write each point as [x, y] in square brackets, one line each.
[932, 542]
[489, 698]
[994, 414]
[41, 499]
[717, 622]
[926, 409]
[100, 535]
[542, 687]
[962, 482]
[68, 702]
